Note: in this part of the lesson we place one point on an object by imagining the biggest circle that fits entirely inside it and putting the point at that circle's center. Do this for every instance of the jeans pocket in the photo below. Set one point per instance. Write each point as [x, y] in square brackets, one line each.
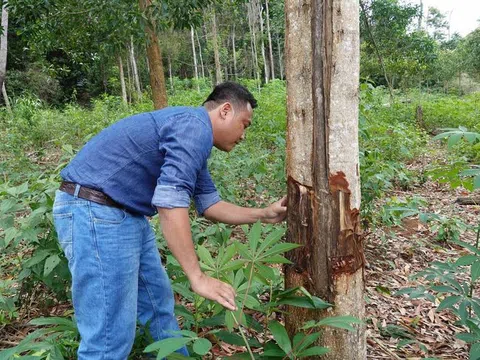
[64, 227]
[104, 214]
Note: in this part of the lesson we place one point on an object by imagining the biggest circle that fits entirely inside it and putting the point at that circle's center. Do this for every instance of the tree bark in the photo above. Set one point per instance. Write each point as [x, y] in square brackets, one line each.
[280, 57]
[136, 78]
[3, 48]
[170, 75]
[253, 41]
[234, 53]
[216, 50]
[154, 55]
[122, 79]
[5, 98]
[262, 43]
[201, 56]
[322, 68]
[195, 64]
[129, 81]
[270, 48]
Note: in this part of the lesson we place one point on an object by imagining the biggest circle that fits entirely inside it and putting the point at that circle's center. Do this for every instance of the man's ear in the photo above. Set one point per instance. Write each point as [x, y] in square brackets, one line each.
[225, 108]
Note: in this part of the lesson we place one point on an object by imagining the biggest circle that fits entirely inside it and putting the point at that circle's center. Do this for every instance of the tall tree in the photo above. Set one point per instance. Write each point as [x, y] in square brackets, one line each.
[154, 55]
[322, 39]
[3, 49]
[270, 47]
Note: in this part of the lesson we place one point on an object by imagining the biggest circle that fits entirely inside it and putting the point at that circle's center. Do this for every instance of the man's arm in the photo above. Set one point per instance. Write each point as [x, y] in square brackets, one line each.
[176, 230]
[228, 213]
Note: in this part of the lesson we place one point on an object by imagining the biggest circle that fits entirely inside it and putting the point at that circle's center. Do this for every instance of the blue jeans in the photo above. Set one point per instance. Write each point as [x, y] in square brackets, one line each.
[117, 277]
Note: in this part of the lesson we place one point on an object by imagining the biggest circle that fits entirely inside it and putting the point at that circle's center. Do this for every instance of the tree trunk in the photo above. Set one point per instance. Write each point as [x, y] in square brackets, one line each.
[170, 74]
[270, 48]
[216, 51]
[3, 49]
[136, 78]
[122, 79]
[253, 41]
[322, 67]
[5, 98]
[262, 43]
[201, 56]
[195, 65]
[155, 64]
[234, 53]
[280, 57]
[129, 81]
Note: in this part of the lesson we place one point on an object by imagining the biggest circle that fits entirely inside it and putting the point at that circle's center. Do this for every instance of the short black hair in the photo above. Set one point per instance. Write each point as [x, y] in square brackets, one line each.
[230, 91]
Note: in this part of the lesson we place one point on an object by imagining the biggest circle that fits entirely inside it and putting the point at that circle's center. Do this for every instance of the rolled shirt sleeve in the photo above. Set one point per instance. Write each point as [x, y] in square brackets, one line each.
[206, 193]
[186, 147]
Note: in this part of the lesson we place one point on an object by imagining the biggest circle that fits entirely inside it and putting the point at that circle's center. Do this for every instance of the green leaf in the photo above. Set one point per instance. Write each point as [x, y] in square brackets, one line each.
[50, 264]
[468, 338]
[205, 256]
[342, 322]
[475, 270]
[53, 321]
[476, 182]
[233, 265]
[39, 256]
[302, 341]
[271, 239]
[202, 346]
[10, 234]
[448, 302]
[466, 260]
[278, 249]
[475, 351]
[314, 351]
[229, 320]
[277, 259]
[235, 339]
[254, 236]
[167, 346]
[280, 335]
[454, 139]
[228, 255]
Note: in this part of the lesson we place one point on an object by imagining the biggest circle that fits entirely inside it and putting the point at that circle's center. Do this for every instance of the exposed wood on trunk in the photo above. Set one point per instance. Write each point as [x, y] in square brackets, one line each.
[133, 63]
[122, 78]
[270, 47]
[195, 65]
[154, 55]
[322, 68]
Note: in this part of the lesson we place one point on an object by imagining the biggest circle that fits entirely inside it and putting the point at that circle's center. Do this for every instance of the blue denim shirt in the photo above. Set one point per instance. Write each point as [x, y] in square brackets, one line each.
[149, 160]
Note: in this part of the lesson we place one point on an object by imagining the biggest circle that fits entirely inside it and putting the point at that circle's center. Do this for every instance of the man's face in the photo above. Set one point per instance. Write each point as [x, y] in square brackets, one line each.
[232, 126]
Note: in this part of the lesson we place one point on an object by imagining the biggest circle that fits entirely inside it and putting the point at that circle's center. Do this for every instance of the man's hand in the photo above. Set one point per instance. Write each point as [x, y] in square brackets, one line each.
[276, 212]
[214, 289]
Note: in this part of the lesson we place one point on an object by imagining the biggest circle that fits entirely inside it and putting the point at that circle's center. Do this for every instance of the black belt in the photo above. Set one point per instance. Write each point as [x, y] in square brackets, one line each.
[89, 194]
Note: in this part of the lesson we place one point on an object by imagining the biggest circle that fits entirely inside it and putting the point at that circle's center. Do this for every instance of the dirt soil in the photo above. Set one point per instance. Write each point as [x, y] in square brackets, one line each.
[393, 255]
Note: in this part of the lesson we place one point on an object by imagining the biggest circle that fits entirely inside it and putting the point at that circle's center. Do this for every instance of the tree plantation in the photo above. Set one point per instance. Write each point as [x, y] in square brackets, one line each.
[367, 121]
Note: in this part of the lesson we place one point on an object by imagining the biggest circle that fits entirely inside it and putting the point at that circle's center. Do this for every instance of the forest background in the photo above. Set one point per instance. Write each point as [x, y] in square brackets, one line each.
[72, 68]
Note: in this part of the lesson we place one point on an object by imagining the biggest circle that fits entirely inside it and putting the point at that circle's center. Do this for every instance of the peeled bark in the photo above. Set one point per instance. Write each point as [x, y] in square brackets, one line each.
[155, 64]
[322, 67]
[270, 48]
[122, 79]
